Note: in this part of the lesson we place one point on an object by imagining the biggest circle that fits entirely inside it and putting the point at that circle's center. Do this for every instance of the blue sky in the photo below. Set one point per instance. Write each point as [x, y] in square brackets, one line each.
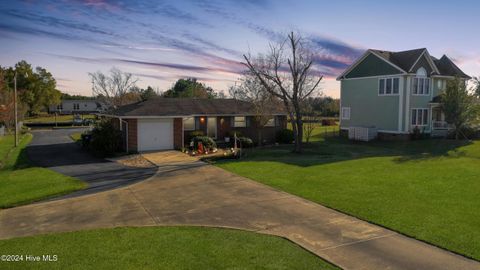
[161, 41]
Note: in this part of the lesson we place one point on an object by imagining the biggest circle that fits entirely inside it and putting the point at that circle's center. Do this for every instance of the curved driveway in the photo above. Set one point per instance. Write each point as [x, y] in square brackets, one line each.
[54, 149]
[190, 192]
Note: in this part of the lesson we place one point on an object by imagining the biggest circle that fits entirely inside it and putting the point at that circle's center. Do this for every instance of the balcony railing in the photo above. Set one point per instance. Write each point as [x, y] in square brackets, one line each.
[441, 125]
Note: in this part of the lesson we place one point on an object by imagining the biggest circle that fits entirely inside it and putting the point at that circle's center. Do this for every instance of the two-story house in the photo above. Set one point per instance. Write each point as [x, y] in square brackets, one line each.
[395, 92]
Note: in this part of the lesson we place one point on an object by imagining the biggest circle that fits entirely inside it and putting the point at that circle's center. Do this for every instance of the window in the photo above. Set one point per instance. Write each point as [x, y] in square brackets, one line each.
[421, 86]
[420, 117]
[271, 122]
[345, 113]
[189, 123]
[389, 86]
[239, 121]
[76, 106]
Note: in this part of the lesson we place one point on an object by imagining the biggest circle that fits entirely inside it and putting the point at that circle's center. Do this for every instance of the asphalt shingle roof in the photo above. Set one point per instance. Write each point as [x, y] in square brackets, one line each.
[406, 59]
[186, 107]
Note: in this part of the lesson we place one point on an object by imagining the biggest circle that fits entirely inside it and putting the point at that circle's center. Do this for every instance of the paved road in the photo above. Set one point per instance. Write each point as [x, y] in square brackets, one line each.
[189, 192]
[54, 149]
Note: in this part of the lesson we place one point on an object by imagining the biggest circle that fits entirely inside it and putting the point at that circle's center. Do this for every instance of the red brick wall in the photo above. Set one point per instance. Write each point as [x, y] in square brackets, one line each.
[132, 135]
[177, 133]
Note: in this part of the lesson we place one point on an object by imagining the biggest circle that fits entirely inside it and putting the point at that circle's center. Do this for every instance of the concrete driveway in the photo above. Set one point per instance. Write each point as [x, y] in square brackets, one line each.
[54, 149]
[194, 193]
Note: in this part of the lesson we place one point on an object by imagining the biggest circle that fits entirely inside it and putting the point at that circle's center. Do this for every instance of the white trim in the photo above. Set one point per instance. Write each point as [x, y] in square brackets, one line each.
[183, 123]
[342, 115]
[423, 86]
[345, 73]
[407, 103]
[400, 104]
[429, 60]
[350, 68]
[385, 87]
[416, 120]
[390, 63]
[373, 77]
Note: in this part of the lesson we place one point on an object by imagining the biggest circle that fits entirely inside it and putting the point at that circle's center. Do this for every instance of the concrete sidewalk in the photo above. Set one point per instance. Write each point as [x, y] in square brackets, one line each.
[194, 193]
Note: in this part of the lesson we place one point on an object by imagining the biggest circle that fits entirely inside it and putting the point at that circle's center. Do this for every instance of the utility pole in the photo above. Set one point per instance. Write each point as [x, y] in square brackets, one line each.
[15, 108]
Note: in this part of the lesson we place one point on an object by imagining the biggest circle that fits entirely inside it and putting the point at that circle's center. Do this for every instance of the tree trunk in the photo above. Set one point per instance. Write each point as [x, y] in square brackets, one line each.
[299, 139]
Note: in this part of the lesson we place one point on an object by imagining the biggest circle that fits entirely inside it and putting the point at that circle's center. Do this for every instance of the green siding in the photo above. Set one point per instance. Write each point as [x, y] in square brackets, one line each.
[366, 107]
[423, 63]
[372, 66]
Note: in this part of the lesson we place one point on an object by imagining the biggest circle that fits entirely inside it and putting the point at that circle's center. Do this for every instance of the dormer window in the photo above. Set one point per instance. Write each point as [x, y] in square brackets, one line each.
[421, 83]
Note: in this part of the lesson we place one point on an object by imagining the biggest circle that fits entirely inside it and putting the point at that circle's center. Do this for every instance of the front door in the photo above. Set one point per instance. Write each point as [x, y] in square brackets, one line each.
[212, 127]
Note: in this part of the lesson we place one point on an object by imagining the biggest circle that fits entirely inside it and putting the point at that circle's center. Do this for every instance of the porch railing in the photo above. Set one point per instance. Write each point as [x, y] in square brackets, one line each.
[441, 125]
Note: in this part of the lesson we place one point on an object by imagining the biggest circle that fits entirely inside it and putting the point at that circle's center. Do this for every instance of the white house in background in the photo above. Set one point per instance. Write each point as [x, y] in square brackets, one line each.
[77, 106]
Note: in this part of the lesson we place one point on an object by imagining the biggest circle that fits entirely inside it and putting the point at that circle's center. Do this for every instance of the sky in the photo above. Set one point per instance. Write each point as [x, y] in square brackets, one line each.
[162, 41]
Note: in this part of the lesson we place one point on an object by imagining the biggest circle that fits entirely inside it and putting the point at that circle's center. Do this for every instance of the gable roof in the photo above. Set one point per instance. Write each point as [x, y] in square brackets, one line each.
[448, 68]
[187, 107]
[405, 60]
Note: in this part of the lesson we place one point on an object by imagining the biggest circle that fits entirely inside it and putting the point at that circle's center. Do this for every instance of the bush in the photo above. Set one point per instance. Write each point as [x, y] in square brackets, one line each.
[329, 122]
[197, 133]
[245, 142]
[207, 142]
[285, 136]
[465, 133]
[105, 138]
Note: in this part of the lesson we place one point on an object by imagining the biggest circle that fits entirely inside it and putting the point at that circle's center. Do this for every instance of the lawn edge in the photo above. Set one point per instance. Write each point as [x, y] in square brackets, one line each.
[226, 228]
[362, 219]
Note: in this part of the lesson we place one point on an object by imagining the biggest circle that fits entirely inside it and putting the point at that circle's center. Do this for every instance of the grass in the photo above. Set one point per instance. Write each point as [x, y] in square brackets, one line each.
[162, 248]
[22, 183]
[60, 118]
[425, 189]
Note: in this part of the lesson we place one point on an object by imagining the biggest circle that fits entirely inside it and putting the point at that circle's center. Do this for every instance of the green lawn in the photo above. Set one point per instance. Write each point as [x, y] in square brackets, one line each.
[60, 118]
[161, 248]
[428, 189]
[21, 183]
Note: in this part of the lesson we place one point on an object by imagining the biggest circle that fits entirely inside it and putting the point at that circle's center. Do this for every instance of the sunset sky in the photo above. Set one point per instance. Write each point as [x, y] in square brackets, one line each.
[161, 41]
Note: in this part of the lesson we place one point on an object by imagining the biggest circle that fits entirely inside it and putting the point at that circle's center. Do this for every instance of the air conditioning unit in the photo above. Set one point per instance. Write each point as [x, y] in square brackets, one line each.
[362, 133]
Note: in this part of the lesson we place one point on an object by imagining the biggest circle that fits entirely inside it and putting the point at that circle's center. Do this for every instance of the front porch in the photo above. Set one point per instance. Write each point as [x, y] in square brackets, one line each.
[440, 127]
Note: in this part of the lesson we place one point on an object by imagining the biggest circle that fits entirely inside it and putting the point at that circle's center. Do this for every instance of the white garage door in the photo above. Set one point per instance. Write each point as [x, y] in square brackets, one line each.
[155, 134]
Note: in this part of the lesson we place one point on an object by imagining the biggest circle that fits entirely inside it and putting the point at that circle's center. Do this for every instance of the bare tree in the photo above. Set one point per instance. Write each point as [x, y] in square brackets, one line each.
[250, 89]
[287, 73]
[311, 119]
[114, 88]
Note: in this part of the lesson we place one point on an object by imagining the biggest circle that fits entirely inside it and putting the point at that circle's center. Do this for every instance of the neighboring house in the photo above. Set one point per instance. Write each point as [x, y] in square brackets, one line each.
[166, 123]
[77, 106]
[396, 92]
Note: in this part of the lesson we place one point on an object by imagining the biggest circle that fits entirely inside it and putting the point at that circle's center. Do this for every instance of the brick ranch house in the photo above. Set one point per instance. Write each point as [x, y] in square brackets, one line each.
[166, 123]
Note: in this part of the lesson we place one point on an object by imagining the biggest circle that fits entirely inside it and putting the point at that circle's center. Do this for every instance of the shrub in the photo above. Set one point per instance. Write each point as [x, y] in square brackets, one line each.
[465, 133]
[207, 142]
[197, 133]
[245, 142]
[418, 134]
[329, 122]
[284, 136]
[105, 138]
